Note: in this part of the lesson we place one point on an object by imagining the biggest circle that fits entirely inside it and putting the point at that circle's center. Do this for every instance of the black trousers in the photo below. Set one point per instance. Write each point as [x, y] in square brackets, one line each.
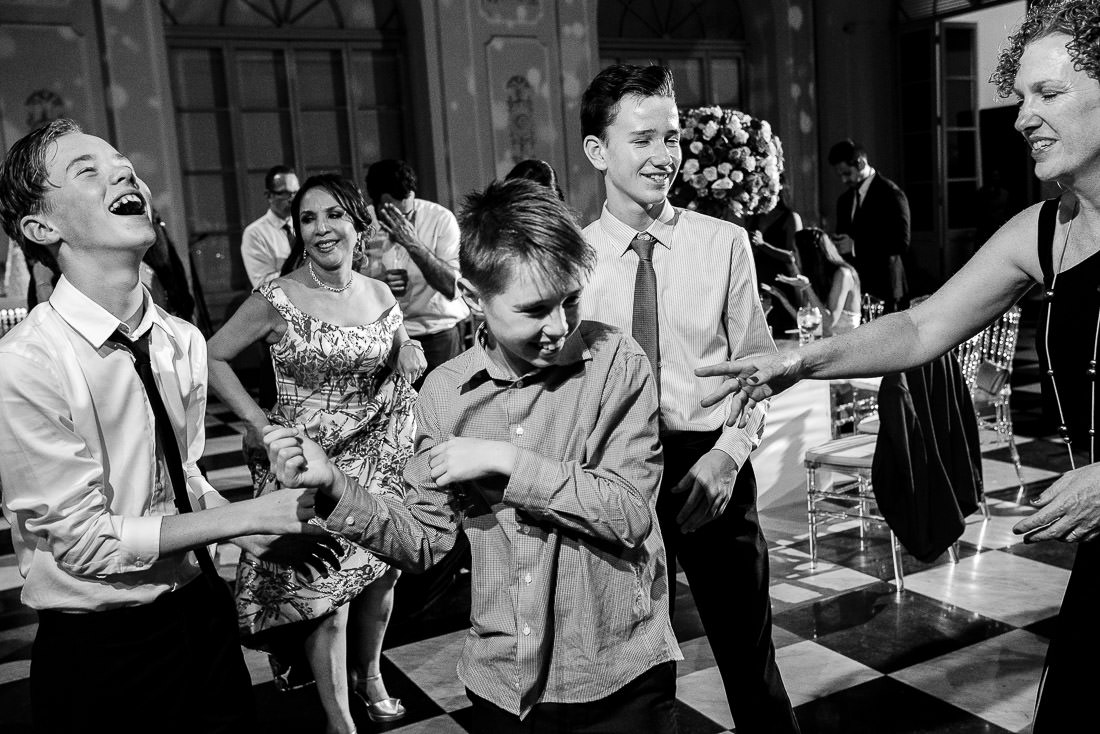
[1069, 682]
[645, 705]
[173, 665]
[726, 564]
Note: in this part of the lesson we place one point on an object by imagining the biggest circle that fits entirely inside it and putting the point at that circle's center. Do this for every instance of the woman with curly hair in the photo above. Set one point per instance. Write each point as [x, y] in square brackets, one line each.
[343, 372]
[1051, 64]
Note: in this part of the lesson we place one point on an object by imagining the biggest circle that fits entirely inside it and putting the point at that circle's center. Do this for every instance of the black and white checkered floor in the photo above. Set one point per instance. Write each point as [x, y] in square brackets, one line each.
[959, 650]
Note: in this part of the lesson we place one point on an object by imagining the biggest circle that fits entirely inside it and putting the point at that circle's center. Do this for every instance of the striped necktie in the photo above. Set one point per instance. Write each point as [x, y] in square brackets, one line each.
[643, 326]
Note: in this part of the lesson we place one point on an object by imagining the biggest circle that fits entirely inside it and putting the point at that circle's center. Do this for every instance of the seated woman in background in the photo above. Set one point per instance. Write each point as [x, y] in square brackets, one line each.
[344, 369]
[774, 254]
[828, 281]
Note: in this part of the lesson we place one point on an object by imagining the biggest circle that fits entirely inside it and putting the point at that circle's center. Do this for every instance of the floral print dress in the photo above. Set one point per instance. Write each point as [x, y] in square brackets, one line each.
[335, 381]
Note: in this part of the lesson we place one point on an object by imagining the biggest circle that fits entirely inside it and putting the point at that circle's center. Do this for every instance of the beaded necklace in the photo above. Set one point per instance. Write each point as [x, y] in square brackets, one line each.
[1063, 430]
[325, 285]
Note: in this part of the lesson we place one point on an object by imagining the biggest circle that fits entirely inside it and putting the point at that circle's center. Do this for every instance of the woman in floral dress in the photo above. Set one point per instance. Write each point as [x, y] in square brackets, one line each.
[344, 367]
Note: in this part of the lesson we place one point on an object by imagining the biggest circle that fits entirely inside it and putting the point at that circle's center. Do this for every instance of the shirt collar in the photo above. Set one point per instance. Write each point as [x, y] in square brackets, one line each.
[866, 183]
[92, 321]
[574, 350]
[275, 221]
[623, 234]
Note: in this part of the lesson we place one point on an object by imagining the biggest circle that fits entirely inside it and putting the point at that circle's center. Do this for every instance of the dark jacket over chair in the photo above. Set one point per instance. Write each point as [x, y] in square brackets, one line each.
[881, 233]
[927, 468]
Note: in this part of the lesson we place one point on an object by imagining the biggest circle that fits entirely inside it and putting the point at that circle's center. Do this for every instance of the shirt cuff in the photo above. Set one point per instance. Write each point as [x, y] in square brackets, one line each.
[525, 489]
[352, 512]
[738, 443]
[140, 540]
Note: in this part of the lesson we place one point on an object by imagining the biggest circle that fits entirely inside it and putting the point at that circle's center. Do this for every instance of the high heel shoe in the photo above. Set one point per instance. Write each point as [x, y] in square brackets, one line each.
[388, 709]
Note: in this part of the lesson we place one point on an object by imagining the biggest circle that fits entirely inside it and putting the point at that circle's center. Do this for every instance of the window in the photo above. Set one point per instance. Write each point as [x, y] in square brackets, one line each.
[243, 105]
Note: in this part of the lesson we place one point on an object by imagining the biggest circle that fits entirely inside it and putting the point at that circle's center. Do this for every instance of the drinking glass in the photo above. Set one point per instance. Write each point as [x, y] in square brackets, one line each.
[809, 324]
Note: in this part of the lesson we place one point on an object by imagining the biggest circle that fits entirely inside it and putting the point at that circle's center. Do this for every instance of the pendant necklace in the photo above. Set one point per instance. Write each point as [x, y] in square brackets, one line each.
[325, 285]
[1063, 430]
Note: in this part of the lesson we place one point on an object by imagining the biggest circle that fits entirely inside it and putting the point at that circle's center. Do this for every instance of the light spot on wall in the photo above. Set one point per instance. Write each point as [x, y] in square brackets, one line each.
[154, 102]
[471, 82]
[119, 5]
[794, 18]
[574, 30]
[7, 46]
[67, 33]
[570, 85]
[805, 123]
[119, 97]
[500, 114]
[808, 165]
[796, 91]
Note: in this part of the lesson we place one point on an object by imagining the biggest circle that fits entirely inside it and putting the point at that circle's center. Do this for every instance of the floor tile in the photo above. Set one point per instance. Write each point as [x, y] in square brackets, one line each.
[811, 671]
[703, 691]
[431, 665]
[996, 584]
[888, 631]
[887, 705]
[996, 679]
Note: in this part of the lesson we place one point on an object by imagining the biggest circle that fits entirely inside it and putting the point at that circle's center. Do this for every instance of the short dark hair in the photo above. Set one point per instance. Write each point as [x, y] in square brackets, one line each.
[538, 171]
[24, 180]
[390, 176]
[847, 151]
[1078, 19]
[514, 221]
[600, 102]
[279, 170]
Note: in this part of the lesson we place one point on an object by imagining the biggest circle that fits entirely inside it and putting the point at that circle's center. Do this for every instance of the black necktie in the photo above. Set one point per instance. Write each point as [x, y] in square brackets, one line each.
[643, 326]
[166, 437]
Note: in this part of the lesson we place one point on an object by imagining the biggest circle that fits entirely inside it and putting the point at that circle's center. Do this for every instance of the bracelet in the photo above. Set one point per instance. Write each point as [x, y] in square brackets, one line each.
[413, 343]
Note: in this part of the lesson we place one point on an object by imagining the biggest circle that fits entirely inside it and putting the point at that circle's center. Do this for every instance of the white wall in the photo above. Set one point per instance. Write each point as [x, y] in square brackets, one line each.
[994, 26]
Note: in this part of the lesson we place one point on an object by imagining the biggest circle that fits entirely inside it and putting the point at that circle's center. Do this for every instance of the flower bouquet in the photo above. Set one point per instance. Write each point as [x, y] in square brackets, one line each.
[731, 164]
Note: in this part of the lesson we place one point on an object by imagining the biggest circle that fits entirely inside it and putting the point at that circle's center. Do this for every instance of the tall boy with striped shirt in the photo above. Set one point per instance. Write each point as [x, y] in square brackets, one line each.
[684, 285]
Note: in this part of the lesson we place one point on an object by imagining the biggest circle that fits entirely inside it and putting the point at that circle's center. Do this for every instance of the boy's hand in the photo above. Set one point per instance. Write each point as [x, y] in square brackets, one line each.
[462, 459]
[285, 512]
[711, 484]
[296, 460]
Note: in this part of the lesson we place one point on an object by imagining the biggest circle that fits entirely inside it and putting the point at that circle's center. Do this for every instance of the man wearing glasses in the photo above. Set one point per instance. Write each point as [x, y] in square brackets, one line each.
[266, 242]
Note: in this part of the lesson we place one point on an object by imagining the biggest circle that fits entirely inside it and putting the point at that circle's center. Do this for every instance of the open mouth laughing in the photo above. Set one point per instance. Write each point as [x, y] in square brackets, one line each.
[129, 204]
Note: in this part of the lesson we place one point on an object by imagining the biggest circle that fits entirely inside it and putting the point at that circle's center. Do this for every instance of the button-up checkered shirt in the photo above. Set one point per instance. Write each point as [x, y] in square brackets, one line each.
[570, 586]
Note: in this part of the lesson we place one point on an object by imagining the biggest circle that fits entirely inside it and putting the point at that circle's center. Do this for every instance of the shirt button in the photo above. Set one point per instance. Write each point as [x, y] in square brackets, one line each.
[519, 383]
[527, 579]
[519, 430]
[526, 630]
[350, 520]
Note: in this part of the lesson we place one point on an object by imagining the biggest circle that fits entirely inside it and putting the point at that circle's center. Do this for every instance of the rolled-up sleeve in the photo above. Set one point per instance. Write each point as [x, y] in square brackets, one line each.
[608, 495]
[54, 485]
[414, 533]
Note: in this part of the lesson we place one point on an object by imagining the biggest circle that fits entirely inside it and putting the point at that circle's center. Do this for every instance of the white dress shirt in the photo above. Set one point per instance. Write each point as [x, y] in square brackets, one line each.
[708, 311]
[264, 248]
[426, 310]
[83, 488]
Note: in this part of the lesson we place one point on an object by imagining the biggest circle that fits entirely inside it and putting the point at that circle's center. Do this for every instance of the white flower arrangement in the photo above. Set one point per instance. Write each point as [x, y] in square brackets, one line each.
[731, 165]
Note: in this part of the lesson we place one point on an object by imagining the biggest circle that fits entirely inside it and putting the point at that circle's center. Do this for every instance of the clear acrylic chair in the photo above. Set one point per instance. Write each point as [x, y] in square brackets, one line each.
[986, 362]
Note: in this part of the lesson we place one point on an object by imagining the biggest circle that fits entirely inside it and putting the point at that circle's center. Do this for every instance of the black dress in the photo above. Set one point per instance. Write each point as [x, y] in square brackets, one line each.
[1071, 309]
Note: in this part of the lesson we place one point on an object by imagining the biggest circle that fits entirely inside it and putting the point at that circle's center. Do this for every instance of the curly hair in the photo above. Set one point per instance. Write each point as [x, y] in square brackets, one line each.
[1078, 19]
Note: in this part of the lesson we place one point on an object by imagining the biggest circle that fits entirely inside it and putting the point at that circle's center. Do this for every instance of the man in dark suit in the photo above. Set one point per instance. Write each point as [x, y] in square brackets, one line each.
[872, 230]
